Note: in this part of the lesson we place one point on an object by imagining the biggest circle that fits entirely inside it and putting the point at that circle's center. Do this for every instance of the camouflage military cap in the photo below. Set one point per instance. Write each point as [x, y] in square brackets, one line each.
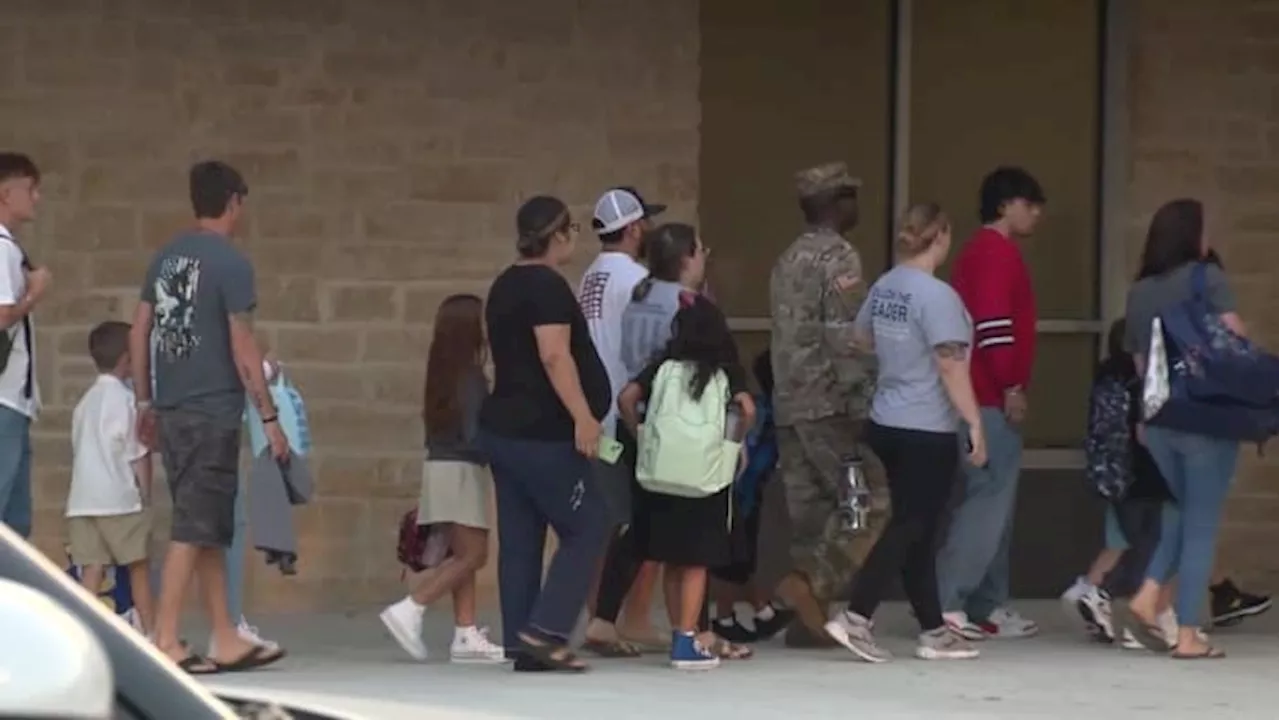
[825, 177]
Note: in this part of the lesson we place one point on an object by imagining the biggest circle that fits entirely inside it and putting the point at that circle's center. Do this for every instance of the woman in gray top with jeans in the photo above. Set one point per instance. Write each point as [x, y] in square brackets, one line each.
[1197, 468]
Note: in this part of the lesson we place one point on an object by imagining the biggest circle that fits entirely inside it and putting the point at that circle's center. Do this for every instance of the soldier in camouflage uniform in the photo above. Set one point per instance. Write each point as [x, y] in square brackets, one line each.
[822, 396]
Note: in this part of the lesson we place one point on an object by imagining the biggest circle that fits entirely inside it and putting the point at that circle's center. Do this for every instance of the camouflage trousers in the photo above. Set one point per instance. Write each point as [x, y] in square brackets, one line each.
[810, 465]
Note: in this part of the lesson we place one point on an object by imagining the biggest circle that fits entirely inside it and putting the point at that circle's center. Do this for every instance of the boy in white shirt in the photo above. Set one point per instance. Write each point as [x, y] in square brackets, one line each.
[108, 516]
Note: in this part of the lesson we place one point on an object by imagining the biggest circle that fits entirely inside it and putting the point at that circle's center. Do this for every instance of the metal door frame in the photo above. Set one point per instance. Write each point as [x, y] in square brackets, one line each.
[1113, 256]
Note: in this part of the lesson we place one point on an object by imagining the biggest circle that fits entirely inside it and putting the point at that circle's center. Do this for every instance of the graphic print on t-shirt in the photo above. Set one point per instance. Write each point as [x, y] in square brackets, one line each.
[176, 287]
[592, 300]
[890, 312]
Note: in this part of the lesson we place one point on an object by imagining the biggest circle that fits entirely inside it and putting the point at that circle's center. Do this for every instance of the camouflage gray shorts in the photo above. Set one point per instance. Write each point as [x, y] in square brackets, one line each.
[201, 461]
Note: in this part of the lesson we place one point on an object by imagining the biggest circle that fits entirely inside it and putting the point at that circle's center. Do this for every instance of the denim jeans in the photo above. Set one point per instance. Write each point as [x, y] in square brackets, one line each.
[540, 483]
[15, 470]
[973, 565]
[235, 560]
[1198, 470]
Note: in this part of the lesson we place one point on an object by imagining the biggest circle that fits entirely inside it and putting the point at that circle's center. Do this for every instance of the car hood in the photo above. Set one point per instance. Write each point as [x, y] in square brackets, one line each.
[344, 707]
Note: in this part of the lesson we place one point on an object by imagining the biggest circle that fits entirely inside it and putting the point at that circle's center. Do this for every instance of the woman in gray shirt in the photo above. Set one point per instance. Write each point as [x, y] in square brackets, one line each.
[1197, 468]
[921, 334]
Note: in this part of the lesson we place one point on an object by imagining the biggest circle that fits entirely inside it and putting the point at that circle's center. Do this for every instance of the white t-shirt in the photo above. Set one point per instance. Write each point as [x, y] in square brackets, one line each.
[104, 442]
[603, 294]
[13, 285]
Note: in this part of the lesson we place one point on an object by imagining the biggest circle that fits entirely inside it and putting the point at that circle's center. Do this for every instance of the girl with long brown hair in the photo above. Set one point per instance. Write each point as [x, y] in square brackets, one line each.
[455, 484]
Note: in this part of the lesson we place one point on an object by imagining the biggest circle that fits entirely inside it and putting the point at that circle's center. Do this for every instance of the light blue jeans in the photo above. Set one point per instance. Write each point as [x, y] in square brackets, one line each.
[15, 470]
[973, 565]
[1198, 470]
[235, 560]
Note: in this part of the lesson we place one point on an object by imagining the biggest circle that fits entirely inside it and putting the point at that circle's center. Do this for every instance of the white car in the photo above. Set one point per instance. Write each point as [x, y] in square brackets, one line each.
[64, 655]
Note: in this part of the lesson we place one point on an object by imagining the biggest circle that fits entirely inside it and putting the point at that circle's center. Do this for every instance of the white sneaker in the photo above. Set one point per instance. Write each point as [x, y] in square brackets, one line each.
[472, 645]
[404, 621]
[960, 624]
[248, 633]
[944, 644]
[1004, 623]
[854, 633]
[1095, 607]
[1072, 595]
[1129, 642]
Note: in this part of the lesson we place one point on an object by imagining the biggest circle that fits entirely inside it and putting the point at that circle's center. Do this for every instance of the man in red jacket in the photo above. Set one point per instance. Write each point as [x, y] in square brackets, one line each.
[991, 278]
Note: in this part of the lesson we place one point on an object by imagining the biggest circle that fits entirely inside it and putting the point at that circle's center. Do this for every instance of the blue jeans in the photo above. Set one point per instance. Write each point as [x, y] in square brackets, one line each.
[15, 470]
[1198, 470]
[540, 483]
[973, 565]
[235, 560]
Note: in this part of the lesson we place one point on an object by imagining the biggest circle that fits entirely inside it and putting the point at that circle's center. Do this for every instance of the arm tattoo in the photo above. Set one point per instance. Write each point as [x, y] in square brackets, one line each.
[952, 351]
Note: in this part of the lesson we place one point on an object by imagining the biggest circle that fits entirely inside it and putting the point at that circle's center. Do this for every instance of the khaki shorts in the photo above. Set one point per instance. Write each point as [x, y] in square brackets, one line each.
[109, 539]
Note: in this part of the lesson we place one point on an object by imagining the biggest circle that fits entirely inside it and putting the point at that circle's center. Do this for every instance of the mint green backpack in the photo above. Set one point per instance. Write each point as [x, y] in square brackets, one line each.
[682, 445]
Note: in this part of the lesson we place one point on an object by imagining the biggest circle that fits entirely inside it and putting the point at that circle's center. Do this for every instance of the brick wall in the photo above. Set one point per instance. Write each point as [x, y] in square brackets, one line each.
[387, 145]
[1203, 99]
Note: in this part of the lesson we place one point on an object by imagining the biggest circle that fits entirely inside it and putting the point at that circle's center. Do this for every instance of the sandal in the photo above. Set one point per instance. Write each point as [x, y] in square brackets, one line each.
[1209, 653]
[254, 658]
[1148, 636]
[612, 648]
[726, 650]
[652, 646]
[194, 664]
[555, 657]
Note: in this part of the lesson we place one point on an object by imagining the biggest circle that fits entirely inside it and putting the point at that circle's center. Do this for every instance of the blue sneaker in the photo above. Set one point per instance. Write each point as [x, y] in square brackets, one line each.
[689, 654]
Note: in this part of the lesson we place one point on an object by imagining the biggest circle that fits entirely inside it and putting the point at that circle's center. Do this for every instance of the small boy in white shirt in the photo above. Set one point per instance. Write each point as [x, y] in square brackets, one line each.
[108, 516]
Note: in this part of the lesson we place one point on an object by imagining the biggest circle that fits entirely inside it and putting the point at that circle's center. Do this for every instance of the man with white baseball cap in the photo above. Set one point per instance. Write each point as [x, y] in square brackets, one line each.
[621, 219]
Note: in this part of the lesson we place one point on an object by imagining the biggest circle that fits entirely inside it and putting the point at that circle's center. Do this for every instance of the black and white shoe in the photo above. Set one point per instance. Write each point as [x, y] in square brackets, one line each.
[1094, 607]
[1231, 605]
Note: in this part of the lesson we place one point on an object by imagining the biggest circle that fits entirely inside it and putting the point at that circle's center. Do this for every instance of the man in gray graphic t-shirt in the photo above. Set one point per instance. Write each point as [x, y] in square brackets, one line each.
[195, 318]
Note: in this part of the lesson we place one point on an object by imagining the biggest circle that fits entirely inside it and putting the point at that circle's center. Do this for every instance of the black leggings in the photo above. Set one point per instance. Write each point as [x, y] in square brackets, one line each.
[921, 467]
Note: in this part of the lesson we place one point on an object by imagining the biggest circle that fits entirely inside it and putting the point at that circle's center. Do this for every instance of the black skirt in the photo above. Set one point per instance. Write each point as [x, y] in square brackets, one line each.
[693, 532]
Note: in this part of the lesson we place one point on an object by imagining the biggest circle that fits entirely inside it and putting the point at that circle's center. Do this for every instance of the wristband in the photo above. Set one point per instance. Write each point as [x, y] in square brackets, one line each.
[269, 420]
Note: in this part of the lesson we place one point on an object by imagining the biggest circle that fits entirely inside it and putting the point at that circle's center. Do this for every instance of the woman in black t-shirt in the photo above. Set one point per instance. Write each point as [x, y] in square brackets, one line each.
[541, 427]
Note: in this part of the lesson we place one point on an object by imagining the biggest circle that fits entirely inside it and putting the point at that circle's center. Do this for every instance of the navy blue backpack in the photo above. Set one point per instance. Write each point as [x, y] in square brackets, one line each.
[1220, 384]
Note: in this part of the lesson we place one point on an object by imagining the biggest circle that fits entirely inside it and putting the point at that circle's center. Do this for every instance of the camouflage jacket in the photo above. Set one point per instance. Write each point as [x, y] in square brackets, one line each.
[815, 291]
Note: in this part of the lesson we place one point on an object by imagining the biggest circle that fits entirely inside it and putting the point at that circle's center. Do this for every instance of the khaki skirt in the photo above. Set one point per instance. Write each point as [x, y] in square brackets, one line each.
[454, 492]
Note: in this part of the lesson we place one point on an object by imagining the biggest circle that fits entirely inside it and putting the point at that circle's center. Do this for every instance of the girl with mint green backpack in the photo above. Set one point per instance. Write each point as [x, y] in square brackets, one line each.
[688, 457]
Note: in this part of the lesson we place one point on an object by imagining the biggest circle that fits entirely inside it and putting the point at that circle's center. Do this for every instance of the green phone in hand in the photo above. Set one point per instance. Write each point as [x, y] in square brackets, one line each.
[609, 450]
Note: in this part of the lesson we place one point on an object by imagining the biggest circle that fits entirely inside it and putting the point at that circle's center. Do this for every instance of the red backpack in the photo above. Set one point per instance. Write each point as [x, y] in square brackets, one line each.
[421, 547]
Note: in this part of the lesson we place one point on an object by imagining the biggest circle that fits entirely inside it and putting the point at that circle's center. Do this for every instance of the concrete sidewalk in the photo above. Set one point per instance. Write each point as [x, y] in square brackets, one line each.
[1057, 675]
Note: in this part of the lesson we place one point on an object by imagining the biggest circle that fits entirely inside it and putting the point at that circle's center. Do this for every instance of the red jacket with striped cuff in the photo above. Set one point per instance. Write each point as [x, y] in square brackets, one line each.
[992, 280]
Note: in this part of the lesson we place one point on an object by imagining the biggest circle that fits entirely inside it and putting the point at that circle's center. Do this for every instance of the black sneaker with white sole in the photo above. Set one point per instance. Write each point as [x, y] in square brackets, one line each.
[1231, 605]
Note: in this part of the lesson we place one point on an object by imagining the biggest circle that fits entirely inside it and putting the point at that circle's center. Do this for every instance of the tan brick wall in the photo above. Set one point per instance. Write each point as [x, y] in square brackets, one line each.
[387, 145]
[1203, 124]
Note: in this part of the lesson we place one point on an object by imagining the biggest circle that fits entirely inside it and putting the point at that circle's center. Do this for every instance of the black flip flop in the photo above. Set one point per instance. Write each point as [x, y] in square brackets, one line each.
[256, 657]
[555, 657]
[194, 664]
